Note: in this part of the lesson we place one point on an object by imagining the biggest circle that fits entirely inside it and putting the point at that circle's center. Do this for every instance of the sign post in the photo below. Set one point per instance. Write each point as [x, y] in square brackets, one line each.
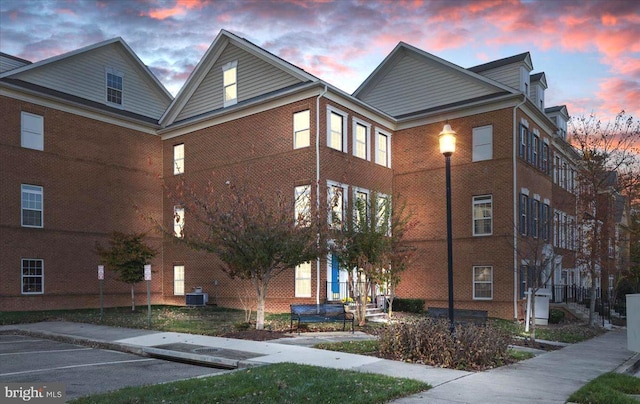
[101, 279]
[147, 277]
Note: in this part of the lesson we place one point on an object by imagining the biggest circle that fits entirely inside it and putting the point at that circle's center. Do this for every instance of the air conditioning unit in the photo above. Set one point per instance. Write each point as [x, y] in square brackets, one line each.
[197, 299]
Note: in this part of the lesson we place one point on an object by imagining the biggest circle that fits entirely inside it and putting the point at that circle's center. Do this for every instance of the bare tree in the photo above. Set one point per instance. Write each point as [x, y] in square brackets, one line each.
[605, 149]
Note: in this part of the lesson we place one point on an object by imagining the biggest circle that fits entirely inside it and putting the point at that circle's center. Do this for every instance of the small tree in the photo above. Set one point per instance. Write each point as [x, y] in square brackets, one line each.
[255, 234]
[369, 245]
[604, 149]
[127, 255]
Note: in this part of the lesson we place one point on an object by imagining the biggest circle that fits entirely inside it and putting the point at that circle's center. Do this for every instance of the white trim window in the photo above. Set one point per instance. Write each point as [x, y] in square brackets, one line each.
[230, 83]
[114, 87]
[482, 283]
[178, 221]
[302, 205]
[483, 143]
[483, 215]
[32, 205]
[303, 280]
[383, 148]
[360, 206]
[383, 213]
[178, 159]
[337, 199]
[361, 139]
[178, 280]
[301, 129]
[336, 129]
[32, 276]
[32, 131]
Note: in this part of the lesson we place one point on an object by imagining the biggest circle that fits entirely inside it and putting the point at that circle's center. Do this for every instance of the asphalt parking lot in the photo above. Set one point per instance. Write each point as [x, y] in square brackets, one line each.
[85, 370]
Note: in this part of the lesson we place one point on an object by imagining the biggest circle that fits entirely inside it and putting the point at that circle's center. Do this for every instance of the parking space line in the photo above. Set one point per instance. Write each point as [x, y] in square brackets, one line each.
[47, 351]
[77, 366]
[20, 341]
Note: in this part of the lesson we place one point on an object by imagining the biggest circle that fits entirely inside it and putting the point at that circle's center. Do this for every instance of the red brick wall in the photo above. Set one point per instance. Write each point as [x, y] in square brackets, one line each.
[92, 174]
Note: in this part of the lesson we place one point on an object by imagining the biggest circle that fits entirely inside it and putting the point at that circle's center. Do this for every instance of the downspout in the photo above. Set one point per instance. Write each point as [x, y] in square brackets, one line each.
[515, 209]
[318, 187]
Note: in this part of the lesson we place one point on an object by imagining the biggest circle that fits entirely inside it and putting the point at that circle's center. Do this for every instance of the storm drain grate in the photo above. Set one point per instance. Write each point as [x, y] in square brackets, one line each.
[206, 350]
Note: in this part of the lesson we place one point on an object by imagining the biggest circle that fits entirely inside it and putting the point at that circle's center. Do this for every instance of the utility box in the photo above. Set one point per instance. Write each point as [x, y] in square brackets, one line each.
[197, 298]
[633, 322]
[542, 306]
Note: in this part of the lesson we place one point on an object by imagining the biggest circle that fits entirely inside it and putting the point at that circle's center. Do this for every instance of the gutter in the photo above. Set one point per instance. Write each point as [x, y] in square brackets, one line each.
[515, 209]
[318, 187]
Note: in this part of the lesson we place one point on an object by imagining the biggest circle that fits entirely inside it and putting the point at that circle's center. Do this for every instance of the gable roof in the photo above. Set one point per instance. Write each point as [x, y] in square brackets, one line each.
[519, 58]
[10, 62]
[200, 93]
[540, 78]
[80, 74]
[412, 81]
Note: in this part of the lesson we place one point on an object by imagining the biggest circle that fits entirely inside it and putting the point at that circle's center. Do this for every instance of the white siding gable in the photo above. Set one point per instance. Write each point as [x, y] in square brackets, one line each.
[414, 83]
[255, 77]
[84, 75]
[9, 63]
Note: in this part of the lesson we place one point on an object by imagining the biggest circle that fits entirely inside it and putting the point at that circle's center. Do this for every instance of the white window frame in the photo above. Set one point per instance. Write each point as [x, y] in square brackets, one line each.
[379, 217]
[302, 205]
[477, 282]
[481, 200]
[23, 276]
[482, 143]
[301, 129]
[35, 205]
[330, 186]
[231, 66]
[357, 193]
[343, 136]
[383, 160]
[116, 73]
[178, 159]
[32, 131]
[303, 280]
[178, 280]
[367, 141]
[178, 221]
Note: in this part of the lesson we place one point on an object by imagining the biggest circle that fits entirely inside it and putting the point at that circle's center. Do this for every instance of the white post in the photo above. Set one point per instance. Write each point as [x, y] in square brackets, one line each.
[528, 315]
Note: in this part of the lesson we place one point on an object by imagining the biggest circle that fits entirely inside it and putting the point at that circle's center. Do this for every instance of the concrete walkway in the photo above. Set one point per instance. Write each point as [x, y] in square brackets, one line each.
[547, 378]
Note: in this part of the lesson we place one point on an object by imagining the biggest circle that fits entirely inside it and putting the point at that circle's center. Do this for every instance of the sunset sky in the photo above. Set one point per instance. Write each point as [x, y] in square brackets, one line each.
[589, 50]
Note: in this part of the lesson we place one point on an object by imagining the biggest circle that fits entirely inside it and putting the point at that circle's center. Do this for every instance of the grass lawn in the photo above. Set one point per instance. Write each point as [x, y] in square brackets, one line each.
[278, 383]
[610, 388]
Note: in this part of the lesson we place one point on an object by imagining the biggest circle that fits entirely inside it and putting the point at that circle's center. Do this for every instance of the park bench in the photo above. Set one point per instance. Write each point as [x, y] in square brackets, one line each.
[320, 313]
[460, 316]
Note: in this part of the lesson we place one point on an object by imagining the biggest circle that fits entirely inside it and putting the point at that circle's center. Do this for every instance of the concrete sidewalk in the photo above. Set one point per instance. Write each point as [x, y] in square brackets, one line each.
[548, 378]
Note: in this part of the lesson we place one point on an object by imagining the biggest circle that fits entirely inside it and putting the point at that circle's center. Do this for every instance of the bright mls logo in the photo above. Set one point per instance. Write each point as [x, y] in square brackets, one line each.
[24, 392]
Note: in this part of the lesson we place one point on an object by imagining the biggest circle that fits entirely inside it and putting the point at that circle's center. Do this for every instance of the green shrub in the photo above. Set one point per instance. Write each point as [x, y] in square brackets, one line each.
[556, 316]
[429, 341]
[408, 305]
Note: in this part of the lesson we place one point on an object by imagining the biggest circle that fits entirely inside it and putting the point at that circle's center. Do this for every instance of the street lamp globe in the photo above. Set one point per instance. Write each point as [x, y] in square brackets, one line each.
[447, 140]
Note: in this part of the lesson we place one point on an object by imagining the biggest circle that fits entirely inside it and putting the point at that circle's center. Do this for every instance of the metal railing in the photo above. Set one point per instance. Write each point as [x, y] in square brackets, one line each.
[582, 295]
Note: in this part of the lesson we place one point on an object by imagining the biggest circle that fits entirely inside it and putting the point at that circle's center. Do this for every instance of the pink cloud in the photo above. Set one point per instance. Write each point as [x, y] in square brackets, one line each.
[180, 7]
[617, 94]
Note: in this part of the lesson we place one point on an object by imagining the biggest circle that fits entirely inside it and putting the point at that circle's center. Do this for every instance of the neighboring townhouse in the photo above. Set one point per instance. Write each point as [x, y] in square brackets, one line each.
[78, 150]
[112, 134]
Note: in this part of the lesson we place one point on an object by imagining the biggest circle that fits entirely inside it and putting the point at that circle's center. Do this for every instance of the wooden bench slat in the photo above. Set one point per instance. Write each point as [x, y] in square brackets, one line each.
[320, 313]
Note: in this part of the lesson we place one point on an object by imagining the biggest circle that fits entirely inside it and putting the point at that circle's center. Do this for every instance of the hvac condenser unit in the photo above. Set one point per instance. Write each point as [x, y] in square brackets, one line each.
[197, 299]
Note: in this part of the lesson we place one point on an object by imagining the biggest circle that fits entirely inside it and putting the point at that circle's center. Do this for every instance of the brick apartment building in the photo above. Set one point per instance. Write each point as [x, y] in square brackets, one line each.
[88, 138]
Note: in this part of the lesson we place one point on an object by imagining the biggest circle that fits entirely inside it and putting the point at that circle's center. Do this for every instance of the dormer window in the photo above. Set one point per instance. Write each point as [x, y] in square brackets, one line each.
[229, 83]
[114, 83]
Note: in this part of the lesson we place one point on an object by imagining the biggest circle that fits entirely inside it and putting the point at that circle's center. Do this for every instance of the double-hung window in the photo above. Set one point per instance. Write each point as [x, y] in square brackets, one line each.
[535, 150]
[302, 196]
[361, 143]
[482, 143]
[303, 280]
[524, 214]
[337, 129]
[383, 149]
[115, 83]
[361, 207]
[301, 132]
[178, 280]
[535, 217]
[482, 282]
[32, 131]
[230, 83]
[178, 221]
[523, 141]
[32, 276]
[178, 159]
[482, 215]
[545, 158]
[32, 205]
[337, 202]
[383, 213]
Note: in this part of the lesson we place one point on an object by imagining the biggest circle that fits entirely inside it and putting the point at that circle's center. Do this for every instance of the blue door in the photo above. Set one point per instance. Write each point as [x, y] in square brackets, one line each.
[335, 275]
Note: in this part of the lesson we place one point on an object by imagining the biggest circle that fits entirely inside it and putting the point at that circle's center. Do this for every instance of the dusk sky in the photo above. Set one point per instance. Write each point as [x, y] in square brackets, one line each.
[589, 50]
